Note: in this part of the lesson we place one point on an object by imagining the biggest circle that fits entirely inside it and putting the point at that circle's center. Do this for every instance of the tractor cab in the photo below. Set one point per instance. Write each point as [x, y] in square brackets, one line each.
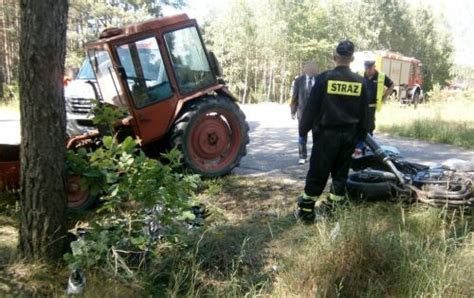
[158, 69]
[149, 67]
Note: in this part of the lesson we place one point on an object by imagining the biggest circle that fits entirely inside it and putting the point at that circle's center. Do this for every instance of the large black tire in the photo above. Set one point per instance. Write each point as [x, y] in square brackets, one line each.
[212, 135]
[370, 185]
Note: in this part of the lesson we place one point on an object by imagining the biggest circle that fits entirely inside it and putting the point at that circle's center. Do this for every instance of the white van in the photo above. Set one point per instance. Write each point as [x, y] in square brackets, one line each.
[78, 94]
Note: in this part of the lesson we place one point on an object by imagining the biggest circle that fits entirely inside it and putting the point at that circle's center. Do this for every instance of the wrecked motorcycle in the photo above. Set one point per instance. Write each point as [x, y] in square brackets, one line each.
[383, 174]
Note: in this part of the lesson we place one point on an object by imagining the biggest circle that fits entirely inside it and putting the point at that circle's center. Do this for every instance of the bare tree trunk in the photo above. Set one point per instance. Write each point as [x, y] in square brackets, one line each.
[273, 84]
[9, 53]
[282, 82]
[1, 83]
[16, 37]
[246, 80]
[255, 78]
[9, 29]
[270, 80]
[264, 80]
[2, 49]
[43, 153]
[6, 54]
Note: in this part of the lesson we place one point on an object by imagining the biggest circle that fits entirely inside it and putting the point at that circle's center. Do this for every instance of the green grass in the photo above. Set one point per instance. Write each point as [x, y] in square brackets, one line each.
[450, 119]
[436, 130]
[252, 246]
[382, 249]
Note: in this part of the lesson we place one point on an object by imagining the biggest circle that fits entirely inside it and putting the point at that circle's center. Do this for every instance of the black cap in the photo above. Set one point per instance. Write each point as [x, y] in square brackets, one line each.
[369, 63]
[345, 48]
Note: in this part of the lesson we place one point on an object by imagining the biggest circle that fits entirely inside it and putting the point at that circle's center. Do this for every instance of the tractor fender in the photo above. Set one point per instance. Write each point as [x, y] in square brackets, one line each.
[219, 89]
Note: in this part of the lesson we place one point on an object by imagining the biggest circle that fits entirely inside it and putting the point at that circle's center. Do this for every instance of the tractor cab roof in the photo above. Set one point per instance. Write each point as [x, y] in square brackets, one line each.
[114, 33]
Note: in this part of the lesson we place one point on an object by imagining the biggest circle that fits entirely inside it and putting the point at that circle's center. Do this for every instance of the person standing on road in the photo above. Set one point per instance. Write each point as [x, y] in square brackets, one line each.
[301, 90]
[379, 88]
[336, 112]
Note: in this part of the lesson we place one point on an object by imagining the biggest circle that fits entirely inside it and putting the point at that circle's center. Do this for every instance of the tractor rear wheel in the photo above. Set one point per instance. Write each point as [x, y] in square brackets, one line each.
[212, 135]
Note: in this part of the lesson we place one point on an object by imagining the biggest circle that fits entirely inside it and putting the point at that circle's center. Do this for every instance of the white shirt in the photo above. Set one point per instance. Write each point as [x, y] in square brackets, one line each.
[309, 80]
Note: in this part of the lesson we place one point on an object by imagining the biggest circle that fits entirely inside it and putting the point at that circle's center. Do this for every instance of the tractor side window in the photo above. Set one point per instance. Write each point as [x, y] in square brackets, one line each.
[145, 72]
[86, 72]
[189, 60]
[106, 77]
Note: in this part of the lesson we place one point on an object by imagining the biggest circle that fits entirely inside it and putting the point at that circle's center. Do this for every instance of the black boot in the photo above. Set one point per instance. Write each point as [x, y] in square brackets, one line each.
[305, 211]
[324, 209]
[327, 206]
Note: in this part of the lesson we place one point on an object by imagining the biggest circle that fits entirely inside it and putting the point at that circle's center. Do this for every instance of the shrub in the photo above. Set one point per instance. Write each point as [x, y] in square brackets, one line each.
[144, 206]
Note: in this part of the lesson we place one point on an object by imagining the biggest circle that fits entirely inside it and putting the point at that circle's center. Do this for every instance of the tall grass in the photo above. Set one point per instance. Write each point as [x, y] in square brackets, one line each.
[368, 250]
[252, 246]
[381, 250]
[376, 249]
[447, 118]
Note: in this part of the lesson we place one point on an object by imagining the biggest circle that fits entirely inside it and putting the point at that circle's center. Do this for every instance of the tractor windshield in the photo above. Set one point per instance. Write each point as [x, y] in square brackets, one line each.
[145, 72]
[189, 60]
[106, 77]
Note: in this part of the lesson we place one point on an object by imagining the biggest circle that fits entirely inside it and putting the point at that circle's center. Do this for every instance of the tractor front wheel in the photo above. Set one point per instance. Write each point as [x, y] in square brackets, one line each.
[78, 198]
[212, 135]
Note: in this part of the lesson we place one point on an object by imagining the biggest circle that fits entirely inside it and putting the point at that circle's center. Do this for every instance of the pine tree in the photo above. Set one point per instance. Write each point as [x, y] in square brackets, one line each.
[43, 122]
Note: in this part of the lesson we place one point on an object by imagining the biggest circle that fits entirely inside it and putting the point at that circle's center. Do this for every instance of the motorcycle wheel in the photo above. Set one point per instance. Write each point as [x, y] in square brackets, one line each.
[371, 185]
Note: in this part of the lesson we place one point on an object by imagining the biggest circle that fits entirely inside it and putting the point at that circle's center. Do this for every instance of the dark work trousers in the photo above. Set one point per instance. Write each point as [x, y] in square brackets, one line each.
[371, 120]
[370, 128]
[331, 154]
[302, 146]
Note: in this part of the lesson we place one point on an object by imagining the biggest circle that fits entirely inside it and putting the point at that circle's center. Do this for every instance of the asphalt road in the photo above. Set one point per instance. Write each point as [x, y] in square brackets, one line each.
[273, 148]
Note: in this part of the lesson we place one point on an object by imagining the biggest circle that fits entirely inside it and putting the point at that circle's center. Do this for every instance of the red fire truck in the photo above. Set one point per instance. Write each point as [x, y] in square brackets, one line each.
[404, 71]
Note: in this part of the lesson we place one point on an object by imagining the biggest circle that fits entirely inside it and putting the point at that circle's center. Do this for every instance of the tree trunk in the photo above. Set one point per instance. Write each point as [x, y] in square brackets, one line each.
[1, 83]
[270, 80]
[255, 78]
[273, 84]
[282, 85]
[246, 83]
[43, 151]
[264, 82]
[283, 80]
[9, 40]
[9, 29]
[5, 60]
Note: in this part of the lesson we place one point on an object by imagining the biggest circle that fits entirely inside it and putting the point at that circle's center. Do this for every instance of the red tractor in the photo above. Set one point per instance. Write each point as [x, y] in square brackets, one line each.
[171, 86]
[161, 71]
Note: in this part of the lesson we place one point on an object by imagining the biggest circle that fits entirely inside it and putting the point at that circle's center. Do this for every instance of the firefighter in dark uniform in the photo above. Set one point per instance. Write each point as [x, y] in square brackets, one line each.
[375, 82]
[336, 112]
[379, 86]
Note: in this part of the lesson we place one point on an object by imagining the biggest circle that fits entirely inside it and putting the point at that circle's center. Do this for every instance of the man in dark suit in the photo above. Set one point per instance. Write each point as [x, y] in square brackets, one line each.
[301, 90]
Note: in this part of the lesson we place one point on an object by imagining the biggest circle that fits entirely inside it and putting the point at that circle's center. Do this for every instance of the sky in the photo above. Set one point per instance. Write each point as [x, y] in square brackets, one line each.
[459, 15]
